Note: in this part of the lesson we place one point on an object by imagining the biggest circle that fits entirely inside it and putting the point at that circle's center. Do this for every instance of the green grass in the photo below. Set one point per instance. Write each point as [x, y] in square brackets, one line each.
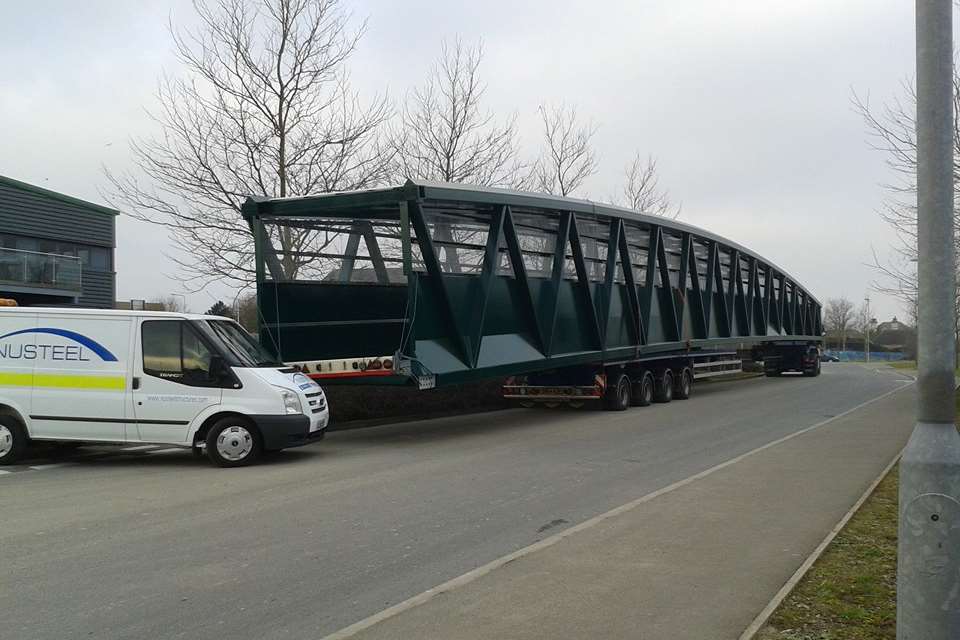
[904, 364]
[850, 592]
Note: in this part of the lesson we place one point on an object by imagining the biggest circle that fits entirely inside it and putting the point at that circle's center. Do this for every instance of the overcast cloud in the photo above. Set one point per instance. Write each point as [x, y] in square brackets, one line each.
[746, 104]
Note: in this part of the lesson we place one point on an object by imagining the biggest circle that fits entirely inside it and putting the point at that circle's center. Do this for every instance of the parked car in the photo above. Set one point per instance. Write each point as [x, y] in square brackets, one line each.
[828, 357]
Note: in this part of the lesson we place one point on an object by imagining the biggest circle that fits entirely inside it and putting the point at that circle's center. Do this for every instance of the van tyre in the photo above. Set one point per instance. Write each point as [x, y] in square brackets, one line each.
[643, 390]
[684, 384]
[13, 440]
[617, 397]
[233, 442]
[664, 391]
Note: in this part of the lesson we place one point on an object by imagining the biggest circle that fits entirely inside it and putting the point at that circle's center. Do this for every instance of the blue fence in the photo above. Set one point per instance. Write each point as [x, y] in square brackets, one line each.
[860, 356]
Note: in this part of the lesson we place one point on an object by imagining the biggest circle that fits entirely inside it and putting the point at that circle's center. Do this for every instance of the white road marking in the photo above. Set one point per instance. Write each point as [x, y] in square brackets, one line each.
[4, 472]
[479, 572]
[42, 467]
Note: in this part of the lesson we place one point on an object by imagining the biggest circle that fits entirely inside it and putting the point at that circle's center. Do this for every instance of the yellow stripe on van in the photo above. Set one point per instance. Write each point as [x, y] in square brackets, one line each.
[61, 381]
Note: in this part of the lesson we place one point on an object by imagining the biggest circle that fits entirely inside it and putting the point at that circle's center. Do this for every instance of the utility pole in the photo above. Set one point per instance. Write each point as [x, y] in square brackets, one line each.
[866, 328]
[928, 564]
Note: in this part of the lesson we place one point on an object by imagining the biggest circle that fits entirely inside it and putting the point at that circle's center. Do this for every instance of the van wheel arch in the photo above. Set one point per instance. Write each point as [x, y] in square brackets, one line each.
[201, 434]
[8, 411]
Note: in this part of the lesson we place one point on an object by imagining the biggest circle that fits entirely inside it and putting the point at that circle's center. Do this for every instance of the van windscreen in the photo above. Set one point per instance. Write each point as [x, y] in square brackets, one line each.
[241, 344]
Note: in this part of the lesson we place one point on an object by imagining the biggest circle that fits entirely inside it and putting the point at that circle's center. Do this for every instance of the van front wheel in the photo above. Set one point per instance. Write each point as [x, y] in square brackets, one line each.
[13, 440]
[233, 442]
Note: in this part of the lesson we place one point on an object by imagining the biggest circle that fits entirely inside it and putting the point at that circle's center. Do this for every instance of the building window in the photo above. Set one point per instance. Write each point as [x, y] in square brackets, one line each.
[95, 258]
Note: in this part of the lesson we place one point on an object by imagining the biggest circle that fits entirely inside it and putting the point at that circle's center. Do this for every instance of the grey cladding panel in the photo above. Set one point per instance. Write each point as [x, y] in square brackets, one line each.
[32, 214]
[98, 290]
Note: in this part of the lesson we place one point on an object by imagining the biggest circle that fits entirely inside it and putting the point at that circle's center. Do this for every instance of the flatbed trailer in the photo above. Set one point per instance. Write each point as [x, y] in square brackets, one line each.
[434, 284]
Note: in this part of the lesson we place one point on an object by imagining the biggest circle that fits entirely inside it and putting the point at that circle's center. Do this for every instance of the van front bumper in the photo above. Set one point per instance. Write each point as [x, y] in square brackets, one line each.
[283, 431]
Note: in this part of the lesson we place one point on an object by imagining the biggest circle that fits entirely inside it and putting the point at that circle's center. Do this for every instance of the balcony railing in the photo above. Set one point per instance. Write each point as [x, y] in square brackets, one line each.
[41, 270]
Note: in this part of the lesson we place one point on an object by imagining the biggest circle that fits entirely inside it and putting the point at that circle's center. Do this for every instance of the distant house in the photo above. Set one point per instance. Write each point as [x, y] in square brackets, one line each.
[895, 335]
[139, 305]
[54, 249]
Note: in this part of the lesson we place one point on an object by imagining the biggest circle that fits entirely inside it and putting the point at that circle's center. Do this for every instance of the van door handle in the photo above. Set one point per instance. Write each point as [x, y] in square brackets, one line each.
[136, 382]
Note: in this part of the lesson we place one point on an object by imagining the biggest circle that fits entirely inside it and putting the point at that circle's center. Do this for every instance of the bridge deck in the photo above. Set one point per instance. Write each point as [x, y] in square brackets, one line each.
[464, 283]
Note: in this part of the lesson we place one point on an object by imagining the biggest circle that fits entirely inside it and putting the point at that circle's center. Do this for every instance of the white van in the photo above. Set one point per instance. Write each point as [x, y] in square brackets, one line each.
[85, 375]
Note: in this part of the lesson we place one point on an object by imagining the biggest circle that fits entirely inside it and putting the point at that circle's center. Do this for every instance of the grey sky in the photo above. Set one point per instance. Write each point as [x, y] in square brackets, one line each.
[746, 104]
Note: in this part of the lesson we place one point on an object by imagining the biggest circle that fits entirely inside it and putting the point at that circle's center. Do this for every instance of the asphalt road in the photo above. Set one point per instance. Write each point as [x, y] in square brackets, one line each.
[164, 546]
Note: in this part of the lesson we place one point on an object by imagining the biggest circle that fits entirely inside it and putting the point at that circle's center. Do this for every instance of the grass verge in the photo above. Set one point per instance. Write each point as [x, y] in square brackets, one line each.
[850, 592]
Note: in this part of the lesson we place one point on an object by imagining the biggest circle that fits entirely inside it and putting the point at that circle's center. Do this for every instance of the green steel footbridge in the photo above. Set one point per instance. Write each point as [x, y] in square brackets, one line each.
[445, 283]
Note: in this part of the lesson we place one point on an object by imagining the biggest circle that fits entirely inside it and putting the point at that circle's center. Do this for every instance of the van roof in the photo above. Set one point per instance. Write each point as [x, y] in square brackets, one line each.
[70, 311]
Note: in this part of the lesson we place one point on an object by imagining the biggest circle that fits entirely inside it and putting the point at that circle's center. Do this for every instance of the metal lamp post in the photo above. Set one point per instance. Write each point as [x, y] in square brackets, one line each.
[928, 568]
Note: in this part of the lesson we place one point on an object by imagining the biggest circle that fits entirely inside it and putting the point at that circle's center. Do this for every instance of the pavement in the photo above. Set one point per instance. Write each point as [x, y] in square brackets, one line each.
[677, 521]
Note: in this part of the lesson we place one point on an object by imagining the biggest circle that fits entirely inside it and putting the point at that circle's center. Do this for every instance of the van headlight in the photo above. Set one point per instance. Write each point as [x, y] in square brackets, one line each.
[291, 403]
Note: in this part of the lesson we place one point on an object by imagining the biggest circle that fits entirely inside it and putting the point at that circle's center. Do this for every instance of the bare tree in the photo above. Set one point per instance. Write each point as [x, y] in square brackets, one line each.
[245, 311]
[567, 158]
[642, 192]
[263, 108]
[893, 132]
[446, 135]
[838, 316]
[173, 303]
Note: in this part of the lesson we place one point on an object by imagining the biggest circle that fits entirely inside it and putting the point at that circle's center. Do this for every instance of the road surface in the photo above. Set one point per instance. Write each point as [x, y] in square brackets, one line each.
[154, 544]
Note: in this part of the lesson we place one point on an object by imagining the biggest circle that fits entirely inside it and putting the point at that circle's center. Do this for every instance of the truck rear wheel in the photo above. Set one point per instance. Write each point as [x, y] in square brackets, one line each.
[812, 373]
[664, 387]
[233, 442]
[642, 394]
[13, 440]
[617, 395]
[684, 384]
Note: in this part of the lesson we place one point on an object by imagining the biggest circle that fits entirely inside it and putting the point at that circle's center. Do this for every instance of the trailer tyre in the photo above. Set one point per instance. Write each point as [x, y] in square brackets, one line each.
[665, 388]
[642, 394]
[13, 440]
[684, 384]
[233, 442]
[617, 397]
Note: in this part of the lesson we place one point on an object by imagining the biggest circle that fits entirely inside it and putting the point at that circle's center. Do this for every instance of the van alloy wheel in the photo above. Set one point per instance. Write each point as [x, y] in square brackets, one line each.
[234, 443]
[6, 440]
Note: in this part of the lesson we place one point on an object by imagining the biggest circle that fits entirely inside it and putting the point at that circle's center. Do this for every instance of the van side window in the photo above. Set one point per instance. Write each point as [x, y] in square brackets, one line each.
[172, 350]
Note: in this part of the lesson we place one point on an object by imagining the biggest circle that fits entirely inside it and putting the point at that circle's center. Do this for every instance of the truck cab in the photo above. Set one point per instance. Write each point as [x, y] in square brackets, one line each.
[149, 377]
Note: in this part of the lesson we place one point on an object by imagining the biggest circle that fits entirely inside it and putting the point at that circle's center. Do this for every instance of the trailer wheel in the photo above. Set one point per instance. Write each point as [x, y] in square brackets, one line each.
[617, 397]
[684, 384]
[664, 388]
[13, 439]
[642, 394]
[233, 442]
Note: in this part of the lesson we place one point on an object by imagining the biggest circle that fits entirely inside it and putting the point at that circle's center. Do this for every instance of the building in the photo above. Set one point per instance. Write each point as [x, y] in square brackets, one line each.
[896, 336]
[54, 249]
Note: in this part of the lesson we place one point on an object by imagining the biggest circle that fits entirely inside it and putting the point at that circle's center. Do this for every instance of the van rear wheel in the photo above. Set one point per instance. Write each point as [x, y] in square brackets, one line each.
[13, 440]
[233, 442]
